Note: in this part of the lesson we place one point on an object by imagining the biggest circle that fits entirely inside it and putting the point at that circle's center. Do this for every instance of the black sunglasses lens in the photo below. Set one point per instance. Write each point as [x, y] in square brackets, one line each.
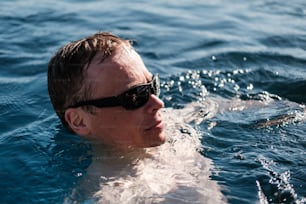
[136, 97]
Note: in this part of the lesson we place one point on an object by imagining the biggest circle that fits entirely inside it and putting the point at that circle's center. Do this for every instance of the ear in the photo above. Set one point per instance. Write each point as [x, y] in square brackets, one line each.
[77, 122]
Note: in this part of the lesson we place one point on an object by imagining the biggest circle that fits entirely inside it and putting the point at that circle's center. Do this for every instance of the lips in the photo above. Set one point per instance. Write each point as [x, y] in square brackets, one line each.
[157, 125]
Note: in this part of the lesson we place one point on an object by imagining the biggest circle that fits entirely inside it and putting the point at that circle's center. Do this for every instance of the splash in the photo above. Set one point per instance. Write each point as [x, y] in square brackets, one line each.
[278, 189]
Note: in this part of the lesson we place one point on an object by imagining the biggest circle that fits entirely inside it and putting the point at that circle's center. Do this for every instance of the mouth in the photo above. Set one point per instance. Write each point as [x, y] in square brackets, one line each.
[159, 125]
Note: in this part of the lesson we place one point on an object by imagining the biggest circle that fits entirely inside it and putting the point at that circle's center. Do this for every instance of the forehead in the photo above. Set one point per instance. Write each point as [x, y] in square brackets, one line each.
[123, 69]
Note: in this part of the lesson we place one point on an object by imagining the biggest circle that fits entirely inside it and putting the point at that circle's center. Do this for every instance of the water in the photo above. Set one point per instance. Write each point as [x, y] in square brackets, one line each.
[244, 61]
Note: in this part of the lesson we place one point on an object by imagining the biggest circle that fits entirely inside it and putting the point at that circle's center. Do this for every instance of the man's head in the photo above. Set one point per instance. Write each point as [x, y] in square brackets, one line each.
[99, 67]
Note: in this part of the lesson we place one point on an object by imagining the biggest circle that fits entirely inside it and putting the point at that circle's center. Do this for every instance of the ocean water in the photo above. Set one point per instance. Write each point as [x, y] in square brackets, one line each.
[243, 61]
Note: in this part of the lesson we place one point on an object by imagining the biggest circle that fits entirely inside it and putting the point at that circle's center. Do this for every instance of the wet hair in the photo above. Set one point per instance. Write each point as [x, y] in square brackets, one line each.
[67, 69]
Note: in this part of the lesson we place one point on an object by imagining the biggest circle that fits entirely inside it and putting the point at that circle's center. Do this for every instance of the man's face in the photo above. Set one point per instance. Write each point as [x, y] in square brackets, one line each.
[116, 126]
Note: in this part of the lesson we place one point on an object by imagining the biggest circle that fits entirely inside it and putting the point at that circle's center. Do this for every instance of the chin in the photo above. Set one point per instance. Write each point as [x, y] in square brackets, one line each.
[161, 139]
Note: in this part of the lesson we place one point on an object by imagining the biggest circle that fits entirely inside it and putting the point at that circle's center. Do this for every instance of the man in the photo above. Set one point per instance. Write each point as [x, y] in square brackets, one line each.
[101, 89]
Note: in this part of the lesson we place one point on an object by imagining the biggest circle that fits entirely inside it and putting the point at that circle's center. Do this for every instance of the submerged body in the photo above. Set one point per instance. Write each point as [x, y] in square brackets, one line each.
[174, 172]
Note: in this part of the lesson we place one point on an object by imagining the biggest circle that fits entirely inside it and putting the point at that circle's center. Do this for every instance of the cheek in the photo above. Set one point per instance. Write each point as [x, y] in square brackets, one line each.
[119, 127]
[102, 119]
[118, 119]
[128, 120]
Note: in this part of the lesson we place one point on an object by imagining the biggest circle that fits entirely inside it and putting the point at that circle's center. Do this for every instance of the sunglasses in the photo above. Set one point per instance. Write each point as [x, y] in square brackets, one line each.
[133, 98]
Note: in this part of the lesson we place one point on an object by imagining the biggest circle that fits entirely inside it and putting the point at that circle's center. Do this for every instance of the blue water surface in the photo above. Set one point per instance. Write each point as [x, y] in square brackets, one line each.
[248, 50]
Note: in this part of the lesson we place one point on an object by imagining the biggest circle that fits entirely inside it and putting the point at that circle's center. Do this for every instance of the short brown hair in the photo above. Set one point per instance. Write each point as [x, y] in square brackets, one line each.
[66, 69]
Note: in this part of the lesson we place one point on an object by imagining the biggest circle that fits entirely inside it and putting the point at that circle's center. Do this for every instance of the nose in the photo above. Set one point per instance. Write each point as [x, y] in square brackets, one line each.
[154, 104]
